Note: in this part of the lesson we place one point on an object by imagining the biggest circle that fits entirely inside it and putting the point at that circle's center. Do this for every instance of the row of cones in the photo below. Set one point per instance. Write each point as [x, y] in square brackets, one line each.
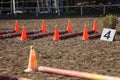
[17, 29]
[56, 32]
[43, 26]
[85, 32]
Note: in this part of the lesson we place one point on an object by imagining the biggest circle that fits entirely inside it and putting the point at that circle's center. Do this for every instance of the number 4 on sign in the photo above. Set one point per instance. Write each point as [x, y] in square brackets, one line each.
[108, 34]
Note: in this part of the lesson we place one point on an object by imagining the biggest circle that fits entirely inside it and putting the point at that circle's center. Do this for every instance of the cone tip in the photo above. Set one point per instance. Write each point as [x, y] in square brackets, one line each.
[31, 47]
[68, 20]
[56, 26]
[43, 20]
[85, 25]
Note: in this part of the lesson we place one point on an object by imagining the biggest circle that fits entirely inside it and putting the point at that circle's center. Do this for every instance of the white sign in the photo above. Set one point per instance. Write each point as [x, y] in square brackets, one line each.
[108, 34]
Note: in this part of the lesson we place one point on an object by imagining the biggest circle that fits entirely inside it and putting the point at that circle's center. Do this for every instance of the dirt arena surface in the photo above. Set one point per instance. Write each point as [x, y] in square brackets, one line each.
[94, 56]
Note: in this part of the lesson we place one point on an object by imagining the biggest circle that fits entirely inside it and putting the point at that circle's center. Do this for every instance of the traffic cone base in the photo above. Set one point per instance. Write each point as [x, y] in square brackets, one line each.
[85, 39]
[23, 39]
[28, 70]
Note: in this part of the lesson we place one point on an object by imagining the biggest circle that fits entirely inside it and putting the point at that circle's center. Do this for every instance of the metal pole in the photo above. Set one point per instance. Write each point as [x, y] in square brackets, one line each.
[61, 4]
[42, 3]
[56, 5]
[104, 10]
[38, 5]
[11, 7]
[14, 10]
[58, 11]
[47, 5]
[81, 10]
[36, 12]
[50, 6]
[55, 1]
[1, 6]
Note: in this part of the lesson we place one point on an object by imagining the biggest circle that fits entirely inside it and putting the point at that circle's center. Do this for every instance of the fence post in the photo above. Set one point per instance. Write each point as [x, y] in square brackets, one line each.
[81, 10]
[36, 9]
[14, 8]
[58, 9]
[51, 5]
[104, 10]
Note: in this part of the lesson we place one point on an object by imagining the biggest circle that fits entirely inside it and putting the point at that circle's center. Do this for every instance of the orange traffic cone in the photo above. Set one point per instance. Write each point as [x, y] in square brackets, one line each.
[85, 34]
[23, 35]
[95, 29]
[16, 26]
[69, 27]
[43, 26]
[56, 34]
[32, 65]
